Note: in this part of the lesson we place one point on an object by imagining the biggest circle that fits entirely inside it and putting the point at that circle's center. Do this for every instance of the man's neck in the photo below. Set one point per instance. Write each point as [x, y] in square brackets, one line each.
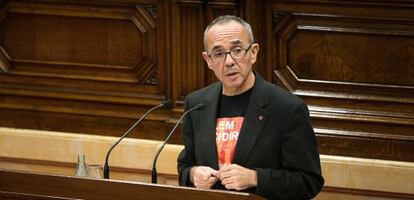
[243, 88]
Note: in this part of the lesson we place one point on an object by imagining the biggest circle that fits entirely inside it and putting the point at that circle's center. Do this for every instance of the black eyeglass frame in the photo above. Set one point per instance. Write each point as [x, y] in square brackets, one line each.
[229, 52]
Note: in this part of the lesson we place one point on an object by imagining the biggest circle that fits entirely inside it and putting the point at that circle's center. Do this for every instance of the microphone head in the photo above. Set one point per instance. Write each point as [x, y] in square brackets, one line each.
[200, 106]
[167, 103]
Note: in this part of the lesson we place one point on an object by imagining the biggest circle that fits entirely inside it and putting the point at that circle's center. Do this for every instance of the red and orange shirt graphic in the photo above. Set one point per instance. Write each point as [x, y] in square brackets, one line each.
[227, 134]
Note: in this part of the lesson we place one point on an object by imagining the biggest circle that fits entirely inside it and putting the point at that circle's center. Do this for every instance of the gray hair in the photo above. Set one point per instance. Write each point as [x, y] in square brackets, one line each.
[227, 19]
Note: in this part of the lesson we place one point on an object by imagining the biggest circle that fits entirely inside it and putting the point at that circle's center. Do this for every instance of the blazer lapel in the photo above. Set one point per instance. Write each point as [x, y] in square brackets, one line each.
[208, 126]
[253, 122]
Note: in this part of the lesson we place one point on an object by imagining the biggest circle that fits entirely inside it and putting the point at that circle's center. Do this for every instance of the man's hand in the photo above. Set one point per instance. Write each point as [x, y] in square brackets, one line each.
[237, 177]
[203, 177]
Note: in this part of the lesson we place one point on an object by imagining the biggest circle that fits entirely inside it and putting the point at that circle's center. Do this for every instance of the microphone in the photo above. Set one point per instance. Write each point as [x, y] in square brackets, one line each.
[154, 170]
[165, 103]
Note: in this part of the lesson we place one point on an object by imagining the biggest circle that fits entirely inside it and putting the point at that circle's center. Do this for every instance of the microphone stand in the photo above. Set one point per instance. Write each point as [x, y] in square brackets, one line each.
[166, 103]
[154, 169]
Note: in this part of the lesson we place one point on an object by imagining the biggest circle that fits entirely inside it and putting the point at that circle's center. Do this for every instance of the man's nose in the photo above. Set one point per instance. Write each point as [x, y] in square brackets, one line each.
[228, 60]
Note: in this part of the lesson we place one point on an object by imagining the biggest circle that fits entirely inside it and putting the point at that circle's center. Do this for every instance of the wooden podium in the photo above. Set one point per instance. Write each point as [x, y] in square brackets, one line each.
[27, 185]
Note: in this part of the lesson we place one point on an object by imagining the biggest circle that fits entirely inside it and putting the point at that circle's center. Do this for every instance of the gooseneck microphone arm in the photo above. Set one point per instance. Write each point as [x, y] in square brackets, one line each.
[154, 169]
[166, 103]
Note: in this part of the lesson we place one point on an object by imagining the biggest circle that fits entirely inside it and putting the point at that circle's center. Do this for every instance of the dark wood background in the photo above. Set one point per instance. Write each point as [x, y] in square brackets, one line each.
[95, 66]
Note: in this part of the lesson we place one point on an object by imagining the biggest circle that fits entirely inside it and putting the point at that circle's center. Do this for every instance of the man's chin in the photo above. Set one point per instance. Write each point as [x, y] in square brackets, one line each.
[233, 86]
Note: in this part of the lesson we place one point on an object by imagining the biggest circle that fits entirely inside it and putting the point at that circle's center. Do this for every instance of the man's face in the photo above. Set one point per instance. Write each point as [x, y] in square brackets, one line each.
[234, 74]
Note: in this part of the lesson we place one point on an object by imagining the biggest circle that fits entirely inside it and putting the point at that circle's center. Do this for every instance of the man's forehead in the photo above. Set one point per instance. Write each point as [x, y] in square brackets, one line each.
[218, 45]
[231, 32]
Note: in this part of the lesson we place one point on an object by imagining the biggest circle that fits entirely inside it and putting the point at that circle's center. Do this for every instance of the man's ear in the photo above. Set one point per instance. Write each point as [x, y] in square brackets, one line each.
[255, 50]
[207, 59]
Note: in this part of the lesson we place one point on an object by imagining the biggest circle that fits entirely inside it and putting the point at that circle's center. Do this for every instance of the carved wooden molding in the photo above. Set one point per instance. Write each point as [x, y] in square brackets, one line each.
[74, 66]
[224, 3]
[4, 61]
[4, 57]
[344, 107]
[354, 71]
[286, 35]
[4, 9]
[71, 10]
[338, 89]
[279, 16]
[189, 2]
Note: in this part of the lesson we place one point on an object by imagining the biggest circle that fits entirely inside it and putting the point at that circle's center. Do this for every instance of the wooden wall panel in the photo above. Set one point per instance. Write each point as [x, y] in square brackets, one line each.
[72, 39]
[104, 45]
[188, 65]
[101, 61]
[355, 71]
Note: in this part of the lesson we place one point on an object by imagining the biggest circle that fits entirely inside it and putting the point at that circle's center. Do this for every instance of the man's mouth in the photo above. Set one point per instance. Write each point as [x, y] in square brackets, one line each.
[231, 73]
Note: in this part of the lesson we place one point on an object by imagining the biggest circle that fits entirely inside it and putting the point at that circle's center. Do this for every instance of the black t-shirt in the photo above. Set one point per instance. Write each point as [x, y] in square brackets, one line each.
[229, 121]
[234, 106]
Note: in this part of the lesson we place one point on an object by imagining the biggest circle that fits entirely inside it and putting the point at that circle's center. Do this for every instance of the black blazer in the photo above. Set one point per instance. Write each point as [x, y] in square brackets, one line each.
[276, 139]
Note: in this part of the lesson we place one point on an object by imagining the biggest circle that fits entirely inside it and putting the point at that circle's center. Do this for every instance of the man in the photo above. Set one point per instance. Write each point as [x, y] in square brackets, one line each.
[251, 135]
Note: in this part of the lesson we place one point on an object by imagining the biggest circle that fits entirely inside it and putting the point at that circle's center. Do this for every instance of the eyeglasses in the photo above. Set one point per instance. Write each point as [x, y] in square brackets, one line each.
[236, 53]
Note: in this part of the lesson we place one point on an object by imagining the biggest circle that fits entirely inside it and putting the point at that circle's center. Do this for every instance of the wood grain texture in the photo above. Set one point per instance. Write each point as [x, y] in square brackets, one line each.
[83, 188]
[354, 70]
[81, 62]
